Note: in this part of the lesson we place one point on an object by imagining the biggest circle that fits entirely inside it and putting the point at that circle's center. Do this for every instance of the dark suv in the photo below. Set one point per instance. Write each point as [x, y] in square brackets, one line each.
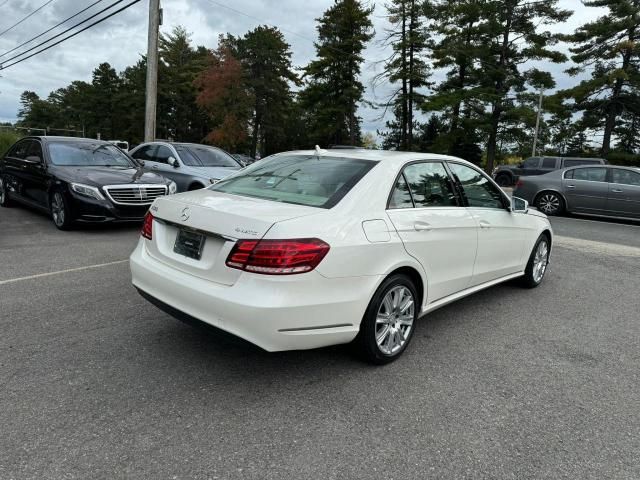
[507, 175]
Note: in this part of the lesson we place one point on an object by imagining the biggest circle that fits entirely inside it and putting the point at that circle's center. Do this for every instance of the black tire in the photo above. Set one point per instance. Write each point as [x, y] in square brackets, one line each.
[5, 201]
[504, 180]
[532, 277]
[60, 210]
[550, 203]
[396, 327]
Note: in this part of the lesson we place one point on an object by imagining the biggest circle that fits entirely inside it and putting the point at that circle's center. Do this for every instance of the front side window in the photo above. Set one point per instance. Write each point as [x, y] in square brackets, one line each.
[145, 153]
[35, 150]
[531, 162]
[162, 154]
[430, 185]
[590, 174]
[477, 189]
[625, 177]
[88, 154]
[400, 197]
[300, 179]
[20, 149]
[549, 162]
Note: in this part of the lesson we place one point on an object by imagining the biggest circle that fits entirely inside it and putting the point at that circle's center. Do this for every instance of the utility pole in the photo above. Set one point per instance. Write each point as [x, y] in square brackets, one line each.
[535, 136]
[152, 72]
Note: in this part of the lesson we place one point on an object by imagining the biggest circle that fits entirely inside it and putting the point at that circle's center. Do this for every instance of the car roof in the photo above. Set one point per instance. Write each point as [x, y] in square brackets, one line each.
[387, 156]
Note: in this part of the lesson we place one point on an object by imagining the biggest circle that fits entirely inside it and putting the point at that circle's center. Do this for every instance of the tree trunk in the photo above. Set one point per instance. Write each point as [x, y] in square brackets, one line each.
[403, 105]
[410, 100]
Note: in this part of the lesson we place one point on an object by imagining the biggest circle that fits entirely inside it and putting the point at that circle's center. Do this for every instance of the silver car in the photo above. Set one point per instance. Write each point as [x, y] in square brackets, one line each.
[608, 191]
[190, 165]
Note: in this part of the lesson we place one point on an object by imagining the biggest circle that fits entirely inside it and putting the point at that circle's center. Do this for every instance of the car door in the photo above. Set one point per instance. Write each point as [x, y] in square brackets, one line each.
[624, 193]
[586, 189]
[14, 166]
[435, 229]
[501, 234]
[530, 166]
[36, 178]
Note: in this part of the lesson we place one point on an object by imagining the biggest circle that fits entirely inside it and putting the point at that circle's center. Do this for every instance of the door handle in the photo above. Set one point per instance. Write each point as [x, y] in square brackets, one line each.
[571, 186]
[615, 190]
[422, 226]
[484, 224]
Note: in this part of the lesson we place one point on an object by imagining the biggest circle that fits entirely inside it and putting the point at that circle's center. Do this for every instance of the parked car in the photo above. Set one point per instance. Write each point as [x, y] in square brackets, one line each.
[78, 179]
[190, 165]
[507, 175]
[121, 144]
[313, 248]
[607, 190]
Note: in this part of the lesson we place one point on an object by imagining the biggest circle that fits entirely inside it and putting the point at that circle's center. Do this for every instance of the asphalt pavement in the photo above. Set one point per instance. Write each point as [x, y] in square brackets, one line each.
[95, 383]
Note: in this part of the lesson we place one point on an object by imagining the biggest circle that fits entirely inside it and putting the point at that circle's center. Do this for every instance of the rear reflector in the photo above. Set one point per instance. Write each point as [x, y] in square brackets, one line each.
[147, 226]
[277, 257]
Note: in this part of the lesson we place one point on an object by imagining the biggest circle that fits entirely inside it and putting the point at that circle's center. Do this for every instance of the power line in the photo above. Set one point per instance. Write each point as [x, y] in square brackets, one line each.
[31, 14]
[71, 36]
[63, 32]
[52, 28]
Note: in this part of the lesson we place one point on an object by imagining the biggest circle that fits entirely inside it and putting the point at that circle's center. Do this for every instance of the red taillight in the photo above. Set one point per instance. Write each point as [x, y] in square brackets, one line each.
[518, 184]
[147, 226]
[277, 257]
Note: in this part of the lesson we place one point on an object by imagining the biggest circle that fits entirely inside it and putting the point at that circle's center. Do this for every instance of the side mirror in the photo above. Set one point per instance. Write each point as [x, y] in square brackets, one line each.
[519, 205]
[173, 162]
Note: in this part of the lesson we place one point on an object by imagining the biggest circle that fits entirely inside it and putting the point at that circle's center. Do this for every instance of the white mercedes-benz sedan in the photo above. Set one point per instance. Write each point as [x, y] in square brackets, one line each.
[313, 248]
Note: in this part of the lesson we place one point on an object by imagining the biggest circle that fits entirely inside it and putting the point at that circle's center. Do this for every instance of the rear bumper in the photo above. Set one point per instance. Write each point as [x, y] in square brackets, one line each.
[295, 312]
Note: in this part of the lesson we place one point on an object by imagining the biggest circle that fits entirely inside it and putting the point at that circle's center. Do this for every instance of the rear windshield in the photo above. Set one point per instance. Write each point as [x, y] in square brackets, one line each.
[304, 180]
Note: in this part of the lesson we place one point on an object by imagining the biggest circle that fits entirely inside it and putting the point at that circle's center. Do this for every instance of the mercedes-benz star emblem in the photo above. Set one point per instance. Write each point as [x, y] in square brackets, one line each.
[184, 216]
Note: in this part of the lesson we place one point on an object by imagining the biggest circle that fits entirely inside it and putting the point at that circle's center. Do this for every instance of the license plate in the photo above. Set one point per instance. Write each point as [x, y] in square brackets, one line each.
[189, 244]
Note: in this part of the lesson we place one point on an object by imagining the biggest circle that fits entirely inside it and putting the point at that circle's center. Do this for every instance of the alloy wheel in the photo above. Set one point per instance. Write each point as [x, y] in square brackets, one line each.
[394, 320]
[540, 261]
[57, 209]
[549, 203]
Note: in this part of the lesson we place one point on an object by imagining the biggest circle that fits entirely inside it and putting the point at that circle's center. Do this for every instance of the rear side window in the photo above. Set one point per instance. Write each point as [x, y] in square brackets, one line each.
[590, 174]
[548, 162]
[303, 180]
[400, 197]
[625, 177]
[19, 150]
[569, 174]
[430, 185]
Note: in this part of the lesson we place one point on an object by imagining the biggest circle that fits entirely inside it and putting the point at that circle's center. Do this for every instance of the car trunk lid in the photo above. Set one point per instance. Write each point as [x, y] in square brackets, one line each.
[216, 219]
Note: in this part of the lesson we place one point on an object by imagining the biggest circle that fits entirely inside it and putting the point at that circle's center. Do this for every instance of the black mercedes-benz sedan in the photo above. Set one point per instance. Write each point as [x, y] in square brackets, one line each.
[78, 179]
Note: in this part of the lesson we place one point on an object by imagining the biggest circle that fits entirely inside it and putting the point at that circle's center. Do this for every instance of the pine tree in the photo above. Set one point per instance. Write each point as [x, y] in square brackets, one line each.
[406, 66]
[610, 46]
[267, 72]
[512, 39]
[333, 90]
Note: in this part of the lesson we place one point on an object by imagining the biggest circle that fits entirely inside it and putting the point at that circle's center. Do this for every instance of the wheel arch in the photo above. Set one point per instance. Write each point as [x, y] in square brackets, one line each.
[195, 185]
[416, 277]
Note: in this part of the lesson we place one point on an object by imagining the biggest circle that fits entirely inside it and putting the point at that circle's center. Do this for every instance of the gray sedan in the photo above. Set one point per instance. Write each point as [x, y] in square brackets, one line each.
[190, 165]
[608, 191]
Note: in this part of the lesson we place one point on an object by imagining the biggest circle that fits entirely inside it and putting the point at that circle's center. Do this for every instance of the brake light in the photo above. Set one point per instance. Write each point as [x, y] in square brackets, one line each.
[277, 257]
[519, 183]
[147, 226]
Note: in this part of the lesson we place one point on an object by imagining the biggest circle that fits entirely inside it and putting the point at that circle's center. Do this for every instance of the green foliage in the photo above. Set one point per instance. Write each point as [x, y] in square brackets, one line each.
[333, 90]
[624, 158]
[7, 138]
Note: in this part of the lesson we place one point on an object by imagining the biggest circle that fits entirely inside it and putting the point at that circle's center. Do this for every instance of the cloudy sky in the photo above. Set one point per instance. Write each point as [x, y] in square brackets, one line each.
[121, 39]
